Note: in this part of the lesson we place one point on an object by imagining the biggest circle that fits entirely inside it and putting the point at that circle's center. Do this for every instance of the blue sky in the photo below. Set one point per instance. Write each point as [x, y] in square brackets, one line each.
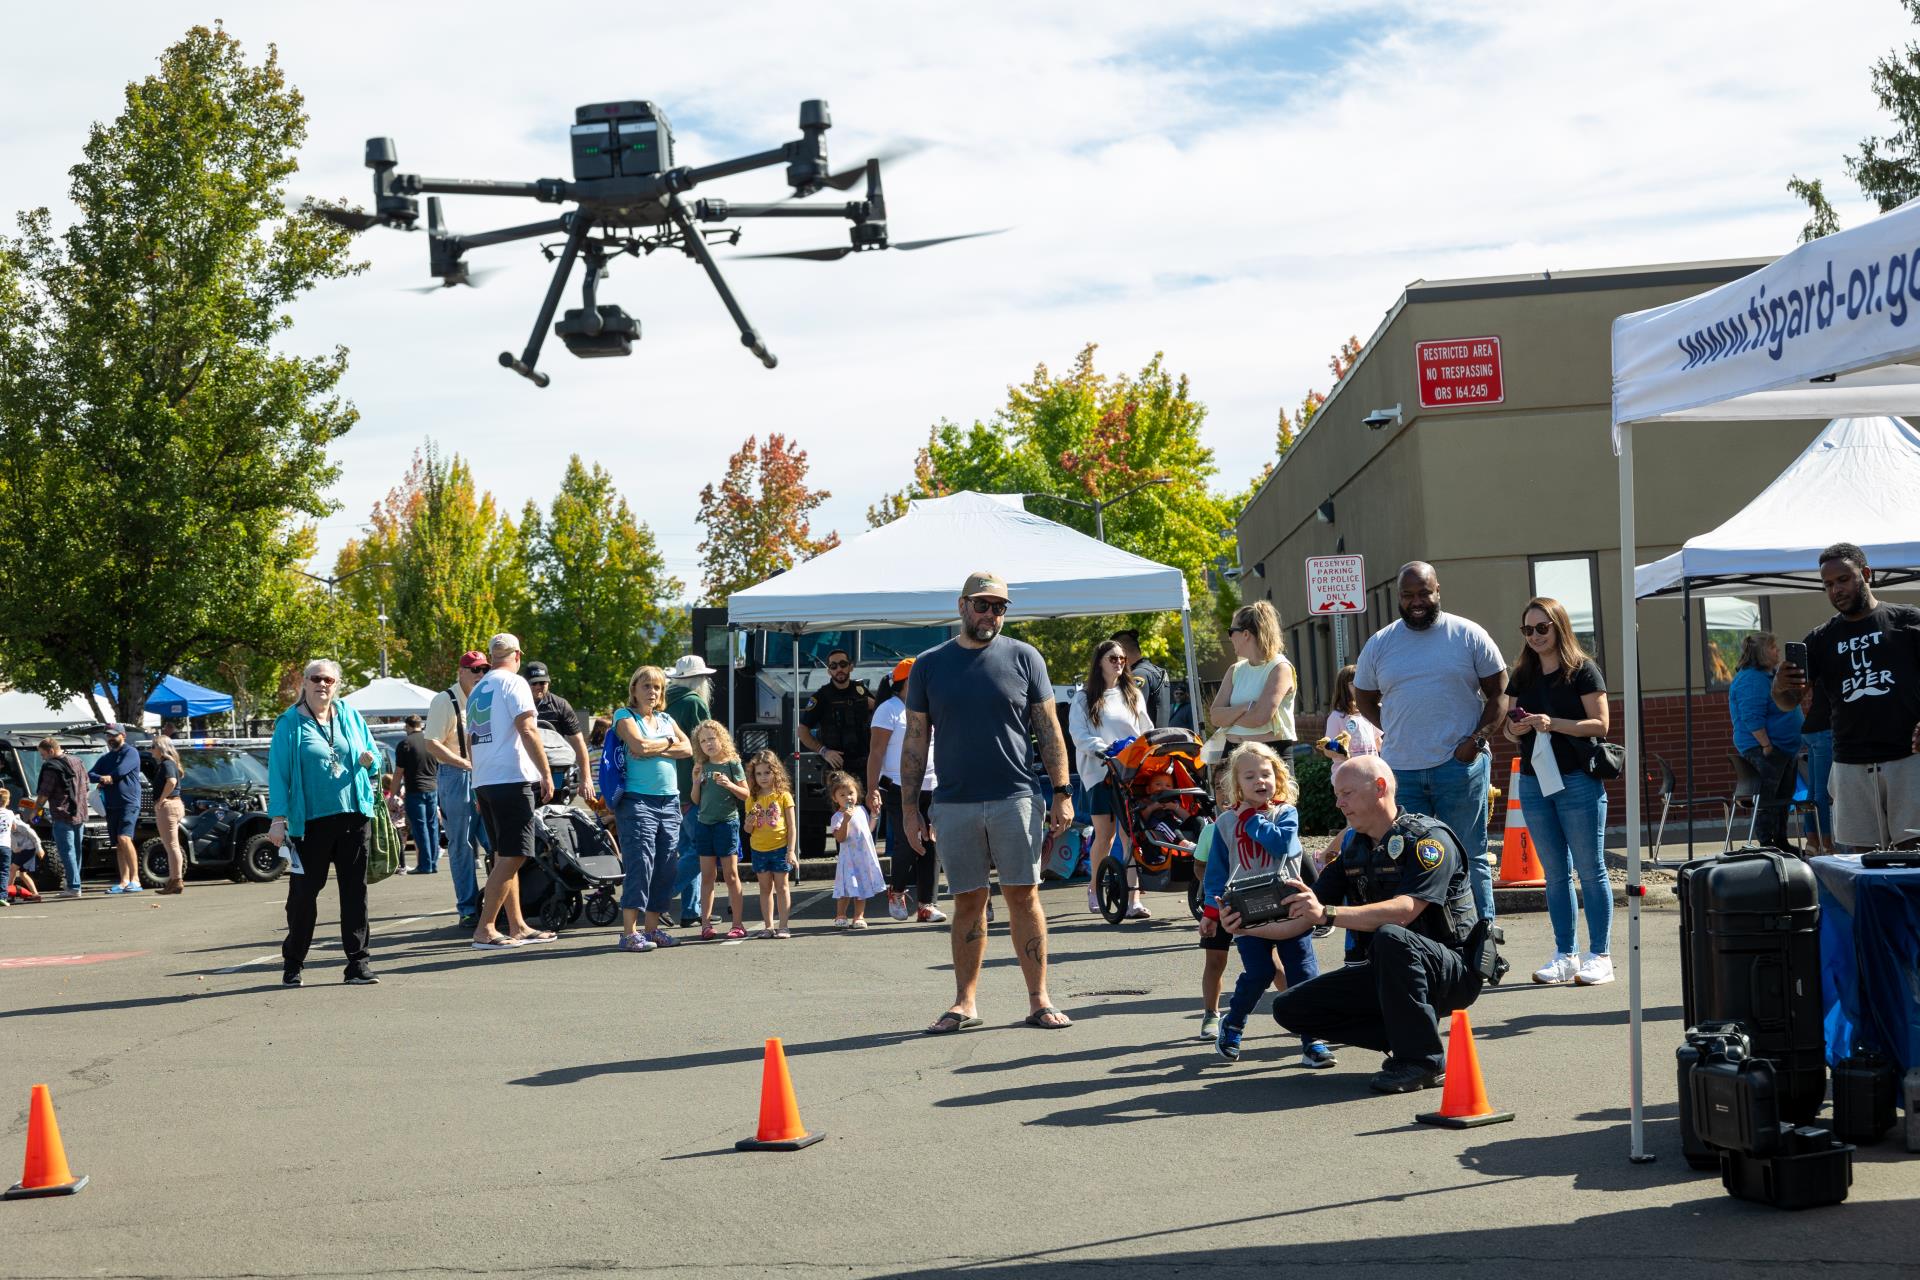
[1241, 186]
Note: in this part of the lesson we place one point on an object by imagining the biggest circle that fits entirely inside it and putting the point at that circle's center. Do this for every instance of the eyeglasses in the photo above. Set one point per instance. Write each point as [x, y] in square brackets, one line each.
[1117, 659]
[839, 666]
[998, 608]
[320, 680]
[1538, 629]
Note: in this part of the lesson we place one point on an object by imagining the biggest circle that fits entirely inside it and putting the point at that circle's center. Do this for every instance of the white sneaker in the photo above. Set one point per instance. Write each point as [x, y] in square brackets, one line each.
[69, 893]
[1594, 970]
[1560, 969]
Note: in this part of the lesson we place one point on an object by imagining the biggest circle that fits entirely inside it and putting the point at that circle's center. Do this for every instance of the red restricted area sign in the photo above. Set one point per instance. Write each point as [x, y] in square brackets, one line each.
[1336, 584]
[1458, 371]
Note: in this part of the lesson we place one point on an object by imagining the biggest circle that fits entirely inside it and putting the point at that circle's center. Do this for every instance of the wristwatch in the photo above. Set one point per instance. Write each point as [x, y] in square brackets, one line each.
[1328, 912]
[1062, 791]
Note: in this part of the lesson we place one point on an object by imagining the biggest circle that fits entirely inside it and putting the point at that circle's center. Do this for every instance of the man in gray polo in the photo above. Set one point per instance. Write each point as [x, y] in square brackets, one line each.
[990, 696]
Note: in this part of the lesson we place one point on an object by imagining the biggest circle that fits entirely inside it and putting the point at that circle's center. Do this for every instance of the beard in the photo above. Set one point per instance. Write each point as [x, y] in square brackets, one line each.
[984, 630]
[1419, 620]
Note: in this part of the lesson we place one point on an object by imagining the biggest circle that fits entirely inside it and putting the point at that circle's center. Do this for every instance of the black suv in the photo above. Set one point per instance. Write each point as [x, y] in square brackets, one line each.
[224, 790]
[20, 773]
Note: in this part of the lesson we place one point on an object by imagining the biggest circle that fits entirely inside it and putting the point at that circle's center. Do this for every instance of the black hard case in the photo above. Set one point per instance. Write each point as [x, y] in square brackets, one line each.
[1711, 1040]
[1750, 953]
[1865, 1090]
[1811, 1168]
[1735, 1107]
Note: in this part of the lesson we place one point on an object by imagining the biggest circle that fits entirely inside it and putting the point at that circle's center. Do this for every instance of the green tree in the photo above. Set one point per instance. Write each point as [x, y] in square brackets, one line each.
[758, 519]
[1887, 168]
[159, 441]
[602, 599]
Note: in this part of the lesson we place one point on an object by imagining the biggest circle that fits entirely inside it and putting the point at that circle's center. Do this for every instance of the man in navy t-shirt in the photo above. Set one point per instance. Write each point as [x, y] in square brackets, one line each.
[989, 696]
[118, 775]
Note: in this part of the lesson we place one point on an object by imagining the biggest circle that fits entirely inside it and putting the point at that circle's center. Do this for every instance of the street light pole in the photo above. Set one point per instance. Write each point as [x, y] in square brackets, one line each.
[1099, 505]
[332, 584]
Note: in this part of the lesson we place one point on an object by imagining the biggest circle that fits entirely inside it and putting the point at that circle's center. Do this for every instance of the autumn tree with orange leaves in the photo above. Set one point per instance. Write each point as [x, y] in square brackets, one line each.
[757, 520]
[1289, 428]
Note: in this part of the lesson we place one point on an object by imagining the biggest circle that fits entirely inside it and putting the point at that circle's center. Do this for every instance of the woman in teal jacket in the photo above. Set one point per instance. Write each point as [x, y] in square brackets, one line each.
[324, 767]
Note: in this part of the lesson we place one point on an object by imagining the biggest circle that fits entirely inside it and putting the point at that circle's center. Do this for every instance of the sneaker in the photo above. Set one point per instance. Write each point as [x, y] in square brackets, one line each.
[291, 978]
[70, 893]
[661, 938]
[1403, 1080]
[1318, 1056]
[1594, 971]
[783, 933]
[1323, 931]
[840, 922]
[635, 942]
[1093, 900]
[736, 933]
[362, 979]
[932, 915]
[857, 924]
[469, 923]
[1556, 971]
[708, 933]
[1226, 1042]
[897, 906]
[1210, 1024]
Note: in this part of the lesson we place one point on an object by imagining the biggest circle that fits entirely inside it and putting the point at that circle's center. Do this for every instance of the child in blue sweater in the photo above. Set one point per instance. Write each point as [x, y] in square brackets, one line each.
[1260, 833]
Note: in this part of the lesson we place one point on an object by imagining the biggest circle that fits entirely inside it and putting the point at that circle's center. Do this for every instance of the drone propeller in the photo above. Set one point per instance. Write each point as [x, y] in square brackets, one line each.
[833, 255]
[472, 279]
[341, 216]
[848, 179]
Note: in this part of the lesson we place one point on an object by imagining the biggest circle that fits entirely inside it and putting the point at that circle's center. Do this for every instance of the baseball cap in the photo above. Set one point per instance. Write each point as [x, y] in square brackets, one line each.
[115, 729]
[474, 660]
[901, 668]
[985, 584]
[536, 672]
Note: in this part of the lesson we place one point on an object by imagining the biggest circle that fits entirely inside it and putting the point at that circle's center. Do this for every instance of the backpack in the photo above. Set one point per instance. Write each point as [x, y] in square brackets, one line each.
[612, 778]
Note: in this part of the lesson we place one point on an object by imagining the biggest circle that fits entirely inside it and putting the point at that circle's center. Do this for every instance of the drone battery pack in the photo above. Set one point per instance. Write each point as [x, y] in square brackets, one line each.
[1260, 899]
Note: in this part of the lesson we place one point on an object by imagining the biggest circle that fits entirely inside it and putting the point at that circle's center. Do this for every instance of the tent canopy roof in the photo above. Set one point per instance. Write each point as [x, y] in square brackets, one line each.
[390, 696]
[1859, 482]
[909, 572]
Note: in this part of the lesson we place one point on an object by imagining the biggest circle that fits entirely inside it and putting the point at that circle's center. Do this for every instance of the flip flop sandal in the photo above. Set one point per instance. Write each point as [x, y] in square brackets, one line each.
[1038, 1018]
[951, 1021]
[538, 935]
[494, 944]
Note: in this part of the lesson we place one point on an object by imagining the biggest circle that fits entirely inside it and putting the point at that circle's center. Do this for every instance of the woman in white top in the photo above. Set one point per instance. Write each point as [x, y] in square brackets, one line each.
[1255, 702]
[1108, 710]
[886, 735]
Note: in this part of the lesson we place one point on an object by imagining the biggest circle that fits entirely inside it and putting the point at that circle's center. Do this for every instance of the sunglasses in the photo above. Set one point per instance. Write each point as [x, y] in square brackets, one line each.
[320, 680]
[998, 608]
[839, 666]
[1239, 631]
[1117, 659]
[1538, 629]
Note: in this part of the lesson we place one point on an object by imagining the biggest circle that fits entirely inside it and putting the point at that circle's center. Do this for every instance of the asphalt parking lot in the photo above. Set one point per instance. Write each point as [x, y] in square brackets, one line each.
[566, 1109]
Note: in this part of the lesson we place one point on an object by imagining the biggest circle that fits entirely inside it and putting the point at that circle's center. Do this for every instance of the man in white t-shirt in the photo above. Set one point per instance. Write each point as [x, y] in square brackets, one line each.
[1435, 683]
[509, 778]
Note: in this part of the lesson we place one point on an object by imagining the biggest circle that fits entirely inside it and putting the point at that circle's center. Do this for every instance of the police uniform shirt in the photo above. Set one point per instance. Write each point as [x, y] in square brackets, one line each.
[839, 719]
[1152, 682]
[1419, 857]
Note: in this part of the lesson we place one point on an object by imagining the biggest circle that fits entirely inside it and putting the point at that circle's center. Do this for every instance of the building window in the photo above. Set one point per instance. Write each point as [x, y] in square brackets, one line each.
[1725, 623]
[1575, 582]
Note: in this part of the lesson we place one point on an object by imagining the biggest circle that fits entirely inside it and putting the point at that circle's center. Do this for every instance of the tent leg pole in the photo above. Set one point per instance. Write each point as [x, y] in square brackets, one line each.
[1193, 673]
[798, 790]
[1686, 667]
[1630, 706]
[733, 687]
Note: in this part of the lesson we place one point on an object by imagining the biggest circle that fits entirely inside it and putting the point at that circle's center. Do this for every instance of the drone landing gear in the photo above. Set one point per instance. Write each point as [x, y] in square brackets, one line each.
[697, 246]
[578, 225]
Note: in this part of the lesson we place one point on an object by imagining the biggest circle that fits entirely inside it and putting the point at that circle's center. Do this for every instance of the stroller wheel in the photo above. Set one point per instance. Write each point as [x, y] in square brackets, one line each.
[556, 913]
[1112, 890]
[602, 910]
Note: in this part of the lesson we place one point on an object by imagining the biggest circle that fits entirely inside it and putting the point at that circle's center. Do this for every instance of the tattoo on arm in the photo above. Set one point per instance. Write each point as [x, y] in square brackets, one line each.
[913, 758]
[1053, 747]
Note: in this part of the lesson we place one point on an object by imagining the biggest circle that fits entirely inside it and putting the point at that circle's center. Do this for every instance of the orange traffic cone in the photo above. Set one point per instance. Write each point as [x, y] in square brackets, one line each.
[780, 1127]
[1519, 865]
[1463, 1101]
[46, 1172]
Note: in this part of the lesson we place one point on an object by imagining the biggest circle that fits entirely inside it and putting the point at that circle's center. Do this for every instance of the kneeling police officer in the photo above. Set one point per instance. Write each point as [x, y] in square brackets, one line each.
[1417, 949]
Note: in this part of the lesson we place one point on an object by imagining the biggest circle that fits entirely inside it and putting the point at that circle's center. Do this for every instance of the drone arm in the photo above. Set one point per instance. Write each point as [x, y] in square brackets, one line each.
[853, 210]
[685, 179]
[507, 234]
[552, 190]
[578, 226]
[697, 246]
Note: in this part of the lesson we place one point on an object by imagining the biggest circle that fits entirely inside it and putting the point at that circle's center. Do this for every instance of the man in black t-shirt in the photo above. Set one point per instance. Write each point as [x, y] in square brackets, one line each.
[554, 712]
[1867, 661]
[420, 785]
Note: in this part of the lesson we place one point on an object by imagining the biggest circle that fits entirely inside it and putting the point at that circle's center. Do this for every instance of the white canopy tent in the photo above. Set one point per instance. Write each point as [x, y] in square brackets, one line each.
[26, 713]
[1822, 332]
[909, 573]
[390, 696]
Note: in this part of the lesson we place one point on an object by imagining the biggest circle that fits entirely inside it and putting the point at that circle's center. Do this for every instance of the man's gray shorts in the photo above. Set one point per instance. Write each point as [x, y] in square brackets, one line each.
[1001, 834]
[1876, 805]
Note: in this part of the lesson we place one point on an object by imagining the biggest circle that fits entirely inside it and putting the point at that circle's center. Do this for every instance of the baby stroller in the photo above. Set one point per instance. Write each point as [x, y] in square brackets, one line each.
[574, 870]
[1159, 846]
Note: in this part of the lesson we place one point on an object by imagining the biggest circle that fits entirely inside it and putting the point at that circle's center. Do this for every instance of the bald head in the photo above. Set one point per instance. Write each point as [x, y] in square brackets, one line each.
[1366, 792]
[1419, 595]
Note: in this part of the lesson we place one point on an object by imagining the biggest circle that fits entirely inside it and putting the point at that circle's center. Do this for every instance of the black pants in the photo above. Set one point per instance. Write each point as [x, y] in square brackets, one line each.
[903, 864]
[340, 841]
[1392, 1003]
[1779, 771]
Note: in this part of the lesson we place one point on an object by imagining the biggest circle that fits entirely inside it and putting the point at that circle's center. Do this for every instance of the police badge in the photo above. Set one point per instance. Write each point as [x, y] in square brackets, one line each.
[1396, 845]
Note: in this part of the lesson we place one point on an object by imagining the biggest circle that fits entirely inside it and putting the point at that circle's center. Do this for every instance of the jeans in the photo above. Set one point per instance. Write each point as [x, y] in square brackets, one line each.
[649, 850]
[1778, 775]
[1569, 833]
[1819, 768]
[423, 823]
[66, 844]
[462, 819]
[1456, 794]
[1257, 969]
[686, 884]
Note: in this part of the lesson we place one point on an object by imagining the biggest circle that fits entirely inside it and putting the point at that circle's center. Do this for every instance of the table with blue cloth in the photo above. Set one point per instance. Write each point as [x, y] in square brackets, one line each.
[1870, 958]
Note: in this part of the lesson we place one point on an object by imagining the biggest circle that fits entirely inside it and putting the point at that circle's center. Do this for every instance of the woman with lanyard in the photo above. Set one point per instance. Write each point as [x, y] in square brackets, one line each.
[324, 768]
[1255, 702]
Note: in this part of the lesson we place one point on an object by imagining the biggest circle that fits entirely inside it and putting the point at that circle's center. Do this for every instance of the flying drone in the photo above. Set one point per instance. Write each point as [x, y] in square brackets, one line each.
[627, 189]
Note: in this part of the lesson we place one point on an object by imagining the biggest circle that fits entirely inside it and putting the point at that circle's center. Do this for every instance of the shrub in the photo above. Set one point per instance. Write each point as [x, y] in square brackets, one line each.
[1314, 775]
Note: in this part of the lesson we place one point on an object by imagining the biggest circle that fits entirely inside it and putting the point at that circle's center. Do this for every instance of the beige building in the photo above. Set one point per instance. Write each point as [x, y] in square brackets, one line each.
[1519, 497]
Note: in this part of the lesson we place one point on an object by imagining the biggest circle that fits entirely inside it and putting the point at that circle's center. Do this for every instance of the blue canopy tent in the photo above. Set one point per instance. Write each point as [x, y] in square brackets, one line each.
[177, 699]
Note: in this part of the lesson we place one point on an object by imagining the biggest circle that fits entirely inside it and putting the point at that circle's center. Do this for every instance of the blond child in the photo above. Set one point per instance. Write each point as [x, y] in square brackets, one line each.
[773, 838]
[1216, 943]
[857, 875]
[719, 791]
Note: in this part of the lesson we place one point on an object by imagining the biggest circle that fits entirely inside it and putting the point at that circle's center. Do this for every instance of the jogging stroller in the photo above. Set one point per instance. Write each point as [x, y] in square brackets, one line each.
[1159, 847]
[574, 870]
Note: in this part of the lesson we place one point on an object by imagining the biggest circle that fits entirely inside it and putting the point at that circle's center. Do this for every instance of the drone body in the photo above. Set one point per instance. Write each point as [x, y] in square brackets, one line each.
[626, 191]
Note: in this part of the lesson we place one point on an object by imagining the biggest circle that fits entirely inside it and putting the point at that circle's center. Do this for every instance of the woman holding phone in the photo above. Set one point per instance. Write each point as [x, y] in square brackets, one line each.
[1557, 690]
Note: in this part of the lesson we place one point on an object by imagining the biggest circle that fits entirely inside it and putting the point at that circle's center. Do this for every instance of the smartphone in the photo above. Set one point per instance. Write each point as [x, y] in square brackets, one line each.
[1795, 653]
[1517, 714]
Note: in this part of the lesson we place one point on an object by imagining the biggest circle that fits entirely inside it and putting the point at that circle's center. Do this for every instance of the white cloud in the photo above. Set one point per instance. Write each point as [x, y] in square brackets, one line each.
[1240, 188]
